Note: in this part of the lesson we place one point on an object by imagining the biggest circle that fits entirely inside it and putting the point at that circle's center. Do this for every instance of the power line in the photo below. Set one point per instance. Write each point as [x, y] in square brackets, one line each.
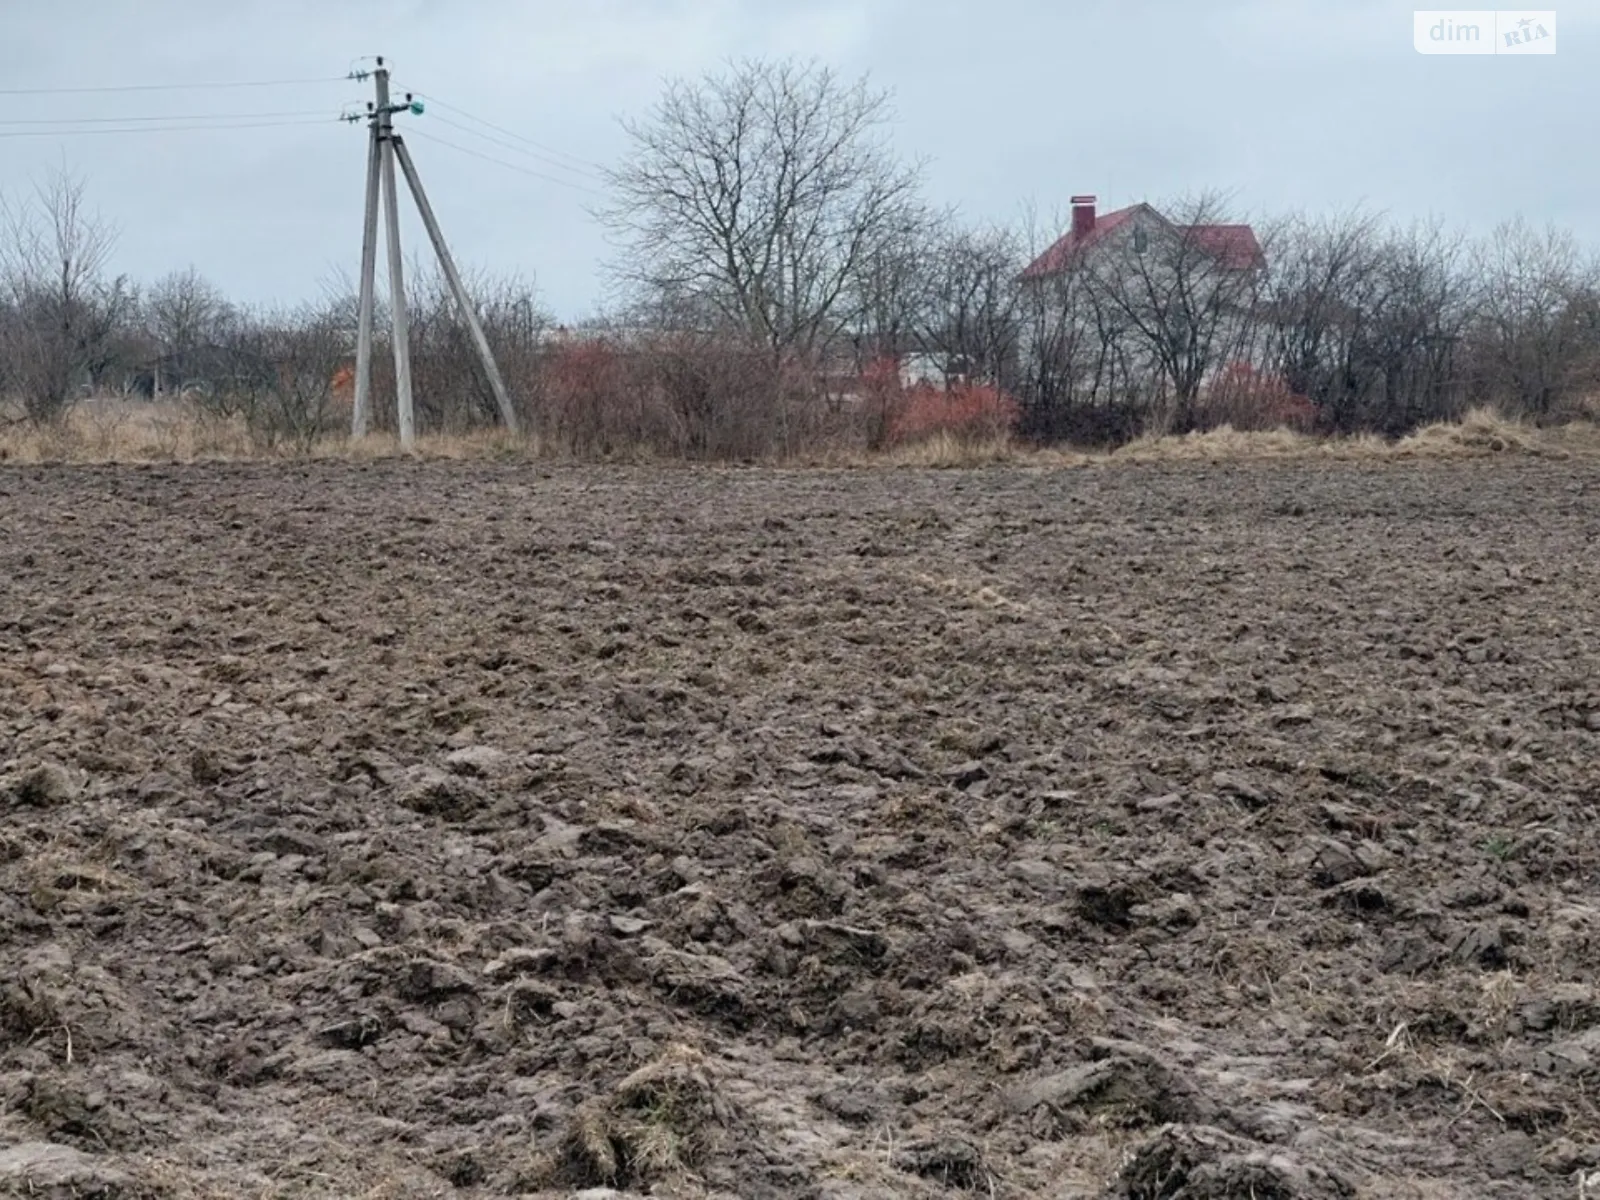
[17, 133]
[172, 87]
[586, 173]
[582, 162]
[127, 120]
[501, 162]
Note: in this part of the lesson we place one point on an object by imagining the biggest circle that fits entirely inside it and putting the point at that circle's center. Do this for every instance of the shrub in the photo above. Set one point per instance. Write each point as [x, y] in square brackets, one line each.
[967, 412]
[586, 388]
[1245, 398]
[882, 399]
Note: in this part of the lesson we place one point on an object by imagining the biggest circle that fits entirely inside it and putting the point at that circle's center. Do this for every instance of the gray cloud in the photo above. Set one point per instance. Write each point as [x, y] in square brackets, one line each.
[1285, 104]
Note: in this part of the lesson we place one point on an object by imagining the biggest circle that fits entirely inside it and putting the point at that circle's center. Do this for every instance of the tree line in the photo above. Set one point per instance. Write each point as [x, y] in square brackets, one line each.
[780, 270]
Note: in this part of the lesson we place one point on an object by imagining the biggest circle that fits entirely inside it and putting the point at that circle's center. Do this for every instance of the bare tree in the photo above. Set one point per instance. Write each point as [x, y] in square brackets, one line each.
[1532, 337]
[886, 295]
[184, 310]
[1323, 271]
[757, 195]
[971, 315]
[279, 376]
[65, 312]
[1069, 355]
[451, 389]
[1186, 287]
[1367, 322]
[1402, 367]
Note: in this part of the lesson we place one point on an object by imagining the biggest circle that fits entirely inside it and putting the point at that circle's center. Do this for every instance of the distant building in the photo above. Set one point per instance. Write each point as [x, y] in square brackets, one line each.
[1155, 273]
[1134, 230]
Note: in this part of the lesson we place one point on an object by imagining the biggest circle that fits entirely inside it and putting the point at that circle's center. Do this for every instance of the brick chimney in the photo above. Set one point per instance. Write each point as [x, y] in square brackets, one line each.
[1082, 215]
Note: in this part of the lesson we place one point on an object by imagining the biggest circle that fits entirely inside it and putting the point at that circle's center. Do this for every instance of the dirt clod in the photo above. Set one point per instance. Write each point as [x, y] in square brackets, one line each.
[953, 1162]
[43, 786]
[49, 1171]
[1194, 1162]
[659, 1123]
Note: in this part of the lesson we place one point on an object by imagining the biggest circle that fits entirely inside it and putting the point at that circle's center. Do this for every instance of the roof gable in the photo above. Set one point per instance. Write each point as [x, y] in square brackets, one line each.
[1070, 246]
[1234, 246]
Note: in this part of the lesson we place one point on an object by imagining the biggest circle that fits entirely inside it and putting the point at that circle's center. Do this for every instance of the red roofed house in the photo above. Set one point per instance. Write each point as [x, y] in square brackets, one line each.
[1234, 246]
[1176, 300]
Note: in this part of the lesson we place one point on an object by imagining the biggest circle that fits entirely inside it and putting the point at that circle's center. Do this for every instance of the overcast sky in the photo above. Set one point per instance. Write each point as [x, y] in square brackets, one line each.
[1316, 104]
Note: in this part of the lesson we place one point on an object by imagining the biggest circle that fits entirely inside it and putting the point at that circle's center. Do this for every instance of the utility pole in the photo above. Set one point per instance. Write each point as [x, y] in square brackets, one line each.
[384, 147]
[400, 326]
[369, 264]
[485, 355]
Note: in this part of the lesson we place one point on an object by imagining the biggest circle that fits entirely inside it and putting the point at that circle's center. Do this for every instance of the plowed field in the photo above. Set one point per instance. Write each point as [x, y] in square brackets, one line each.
[1165, 833]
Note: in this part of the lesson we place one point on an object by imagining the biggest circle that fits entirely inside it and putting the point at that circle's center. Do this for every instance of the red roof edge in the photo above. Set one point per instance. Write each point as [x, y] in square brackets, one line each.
[1235, 246]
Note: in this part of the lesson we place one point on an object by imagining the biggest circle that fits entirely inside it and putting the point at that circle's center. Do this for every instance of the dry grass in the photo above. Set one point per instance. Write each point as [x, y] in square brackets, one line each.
[64, 881]
[658, 1123]
[114, 430]
[1218, 444]
[945, 451]
[486, 444]
[1481, 432]
[124, 431]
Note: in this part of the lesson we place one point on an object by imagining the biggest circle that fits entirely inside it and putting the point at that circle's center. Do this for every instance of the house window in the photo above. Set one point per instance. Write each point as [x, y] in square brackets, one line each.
[1141, 240]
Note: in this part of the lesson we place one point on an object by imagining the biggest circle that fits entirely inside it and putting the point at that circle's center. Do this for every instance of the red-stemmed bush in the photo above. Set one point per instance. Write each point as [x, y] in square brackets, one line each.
[1244, 397]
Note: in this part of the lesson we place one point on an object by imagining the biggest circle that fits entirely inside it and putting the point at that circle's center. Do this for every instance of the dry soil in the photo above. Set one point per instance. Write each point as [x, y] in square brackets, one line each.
[1162, 833]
